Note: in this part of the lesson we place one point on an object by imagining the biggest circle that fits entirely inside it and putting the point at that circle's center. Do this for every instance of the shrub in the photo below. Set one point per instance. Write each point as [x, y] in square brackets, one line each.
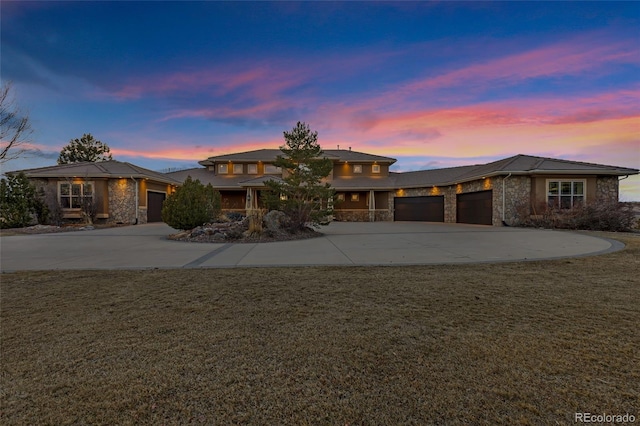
[616, 217]
[55, 216]
[19, 202]
[193, 204]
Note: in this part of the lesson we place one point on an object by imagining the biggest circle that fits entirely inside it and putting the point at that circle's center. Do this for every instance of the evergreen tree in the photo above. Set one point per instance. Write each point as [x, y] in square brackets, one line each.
[301, 194]
[84, 149]
[19, 202]
[193, 204]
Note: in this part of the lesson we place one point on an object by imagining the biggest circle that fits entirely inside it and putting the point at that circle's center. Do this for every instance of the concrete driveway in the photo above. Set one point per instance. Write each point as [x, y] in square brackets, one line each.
[379, 243]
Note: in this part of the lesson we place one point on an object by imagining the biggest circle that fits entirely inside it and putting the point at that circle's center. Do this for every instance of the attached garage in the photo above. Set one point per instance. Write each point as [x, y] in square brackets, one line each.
[422, 209]
[154, 206]
[475, 208]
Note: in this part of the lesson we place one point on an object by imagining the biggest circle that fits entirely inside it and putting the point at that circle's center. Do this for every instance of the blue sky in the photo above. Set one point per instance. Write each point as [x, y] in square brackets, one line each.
[433, 84]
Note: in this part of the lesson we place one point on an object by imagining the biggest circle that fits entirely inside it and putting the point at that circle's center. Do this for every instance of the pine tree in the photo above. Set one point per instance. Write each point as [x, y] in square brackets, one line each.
[19, 202]
[84, 149]
[301, 194]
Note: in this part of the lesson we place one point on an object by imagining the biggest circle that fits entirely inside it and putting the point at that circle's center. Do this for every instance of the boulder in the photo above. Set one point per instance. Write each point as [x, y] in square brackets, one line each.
[275, 222]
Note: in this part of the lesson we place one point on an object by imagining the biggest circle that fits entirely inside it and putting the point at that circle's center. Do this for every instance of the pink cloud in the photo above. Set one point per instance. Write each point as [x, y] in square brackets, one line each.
[258, 81]
[565, 58]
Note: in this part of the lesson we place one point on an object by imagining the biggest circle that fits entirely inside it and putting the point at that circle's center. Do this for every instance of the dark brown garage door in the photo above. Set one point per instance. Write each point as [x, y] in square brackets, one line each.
[423, 209]
[475, 207]
[154, 206]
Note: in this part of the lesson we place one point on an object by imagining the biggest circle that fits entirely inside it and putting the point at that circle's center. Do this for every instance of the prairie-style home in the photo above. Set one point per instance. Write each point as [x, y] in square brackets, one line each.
[495, 193]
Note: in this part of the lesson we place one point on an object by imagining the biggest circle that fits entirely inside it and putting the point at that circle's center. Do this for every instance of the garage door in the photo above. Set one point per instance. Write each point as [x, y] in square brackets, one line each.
[475, 207]
[424, 209]
[154, 206]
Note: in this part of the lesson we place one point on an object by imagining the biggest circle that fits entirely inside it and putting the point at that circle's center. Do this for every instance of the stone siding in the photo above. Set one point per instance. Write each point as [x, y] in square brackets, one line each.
[517, 199]
[122, 198]
[142, 215]
[607, 189]
[351, 215]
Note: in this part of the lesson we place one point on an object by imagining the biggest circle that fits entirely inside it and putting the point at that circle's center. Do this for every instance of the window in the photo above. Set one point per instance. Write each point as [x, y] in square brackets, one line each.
[375, 168]
[252, 169]
[565, 194]
[238, 169]
[74, 195]
[340, 196]
[270, 169]
[355, 197]
[223, 169]
[357, 168]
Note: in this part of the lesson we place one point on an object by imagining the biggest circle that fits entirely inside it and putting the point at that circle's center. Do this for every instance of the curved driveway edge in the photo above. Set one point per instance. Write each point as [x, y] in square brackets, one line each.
[378, 243]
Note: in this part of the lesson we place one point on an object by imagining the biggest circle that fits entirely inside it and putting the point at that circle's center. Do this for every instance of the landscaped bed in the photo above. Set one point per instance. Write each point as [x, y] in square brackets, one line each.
[509, 343]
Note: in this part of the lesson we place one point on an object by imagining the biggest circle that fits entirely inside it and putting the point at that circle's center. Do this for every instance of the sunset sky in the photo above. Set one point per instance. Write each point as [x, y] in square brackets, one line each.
[432, 84]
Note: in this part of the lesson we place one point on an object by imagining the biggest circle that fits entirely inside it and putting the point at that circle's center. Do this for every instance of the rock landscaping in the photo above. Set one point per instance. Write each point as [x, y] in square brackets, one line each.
[238, 229]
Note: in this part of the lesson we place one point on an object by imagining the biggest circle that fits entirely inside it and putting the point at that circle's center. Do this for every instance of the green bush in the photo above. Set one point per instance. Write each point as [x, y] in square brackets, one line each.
[20, 203]
[193, 204]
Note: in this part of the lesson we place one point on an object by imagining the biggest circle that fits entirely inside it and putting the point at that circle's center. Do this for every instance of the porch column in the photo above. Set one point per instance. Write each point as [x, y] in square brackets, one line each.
[249, 200]
[372, 206]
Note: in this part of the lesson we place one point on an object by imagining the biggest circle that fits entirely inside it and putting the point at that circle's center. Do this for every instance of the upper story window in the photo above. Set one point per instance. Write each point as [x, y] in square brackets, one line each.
[270, 169]
[238, 169]
[252, 169]
[75, 195]
[566, 194]
[223, 169]
[357, 168]
[375, 168]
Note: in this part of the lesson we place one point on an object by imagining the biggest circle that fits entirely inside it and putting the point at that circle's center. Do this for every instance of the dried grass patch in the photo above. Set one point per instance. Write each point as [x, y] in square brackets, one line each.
[517, 343]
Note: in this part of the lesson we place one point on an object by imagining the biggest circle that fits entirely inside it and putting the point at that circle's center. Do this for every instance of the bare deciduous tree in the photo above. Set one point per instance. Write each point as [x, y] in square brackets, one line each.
[15, 126]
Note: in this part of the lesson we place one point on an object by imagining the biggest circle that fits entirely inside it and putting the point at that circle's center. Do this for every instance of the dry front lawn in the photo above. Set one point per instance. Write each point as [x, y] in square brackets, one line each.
[513, 343]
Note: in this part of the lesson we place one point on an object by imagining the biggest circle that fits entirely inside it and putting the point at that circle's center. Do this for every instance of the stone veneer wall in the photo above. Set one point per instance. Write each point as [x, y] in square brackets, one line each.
[518, 199]
[122, 198]
[607, 189]
[142, 215]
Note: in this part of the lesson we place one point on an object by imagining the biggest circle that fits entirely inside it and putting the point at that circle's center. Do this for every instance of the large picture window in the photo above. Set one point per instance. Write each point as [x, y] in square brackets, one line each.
[73, 195]
[565, 194]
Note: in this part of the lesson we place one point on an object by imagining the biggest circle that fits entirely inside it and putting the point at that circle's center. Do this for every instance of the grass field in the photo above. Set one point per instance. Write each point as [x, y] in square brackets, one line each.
[511, 343]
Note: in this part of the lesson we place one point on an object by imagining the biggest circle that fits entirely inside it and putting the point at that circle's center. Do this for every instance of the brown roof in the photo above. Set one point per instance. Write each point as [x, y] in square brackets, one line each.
[270, 155]
[102, 169]
[222, 181]
[516, 165]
